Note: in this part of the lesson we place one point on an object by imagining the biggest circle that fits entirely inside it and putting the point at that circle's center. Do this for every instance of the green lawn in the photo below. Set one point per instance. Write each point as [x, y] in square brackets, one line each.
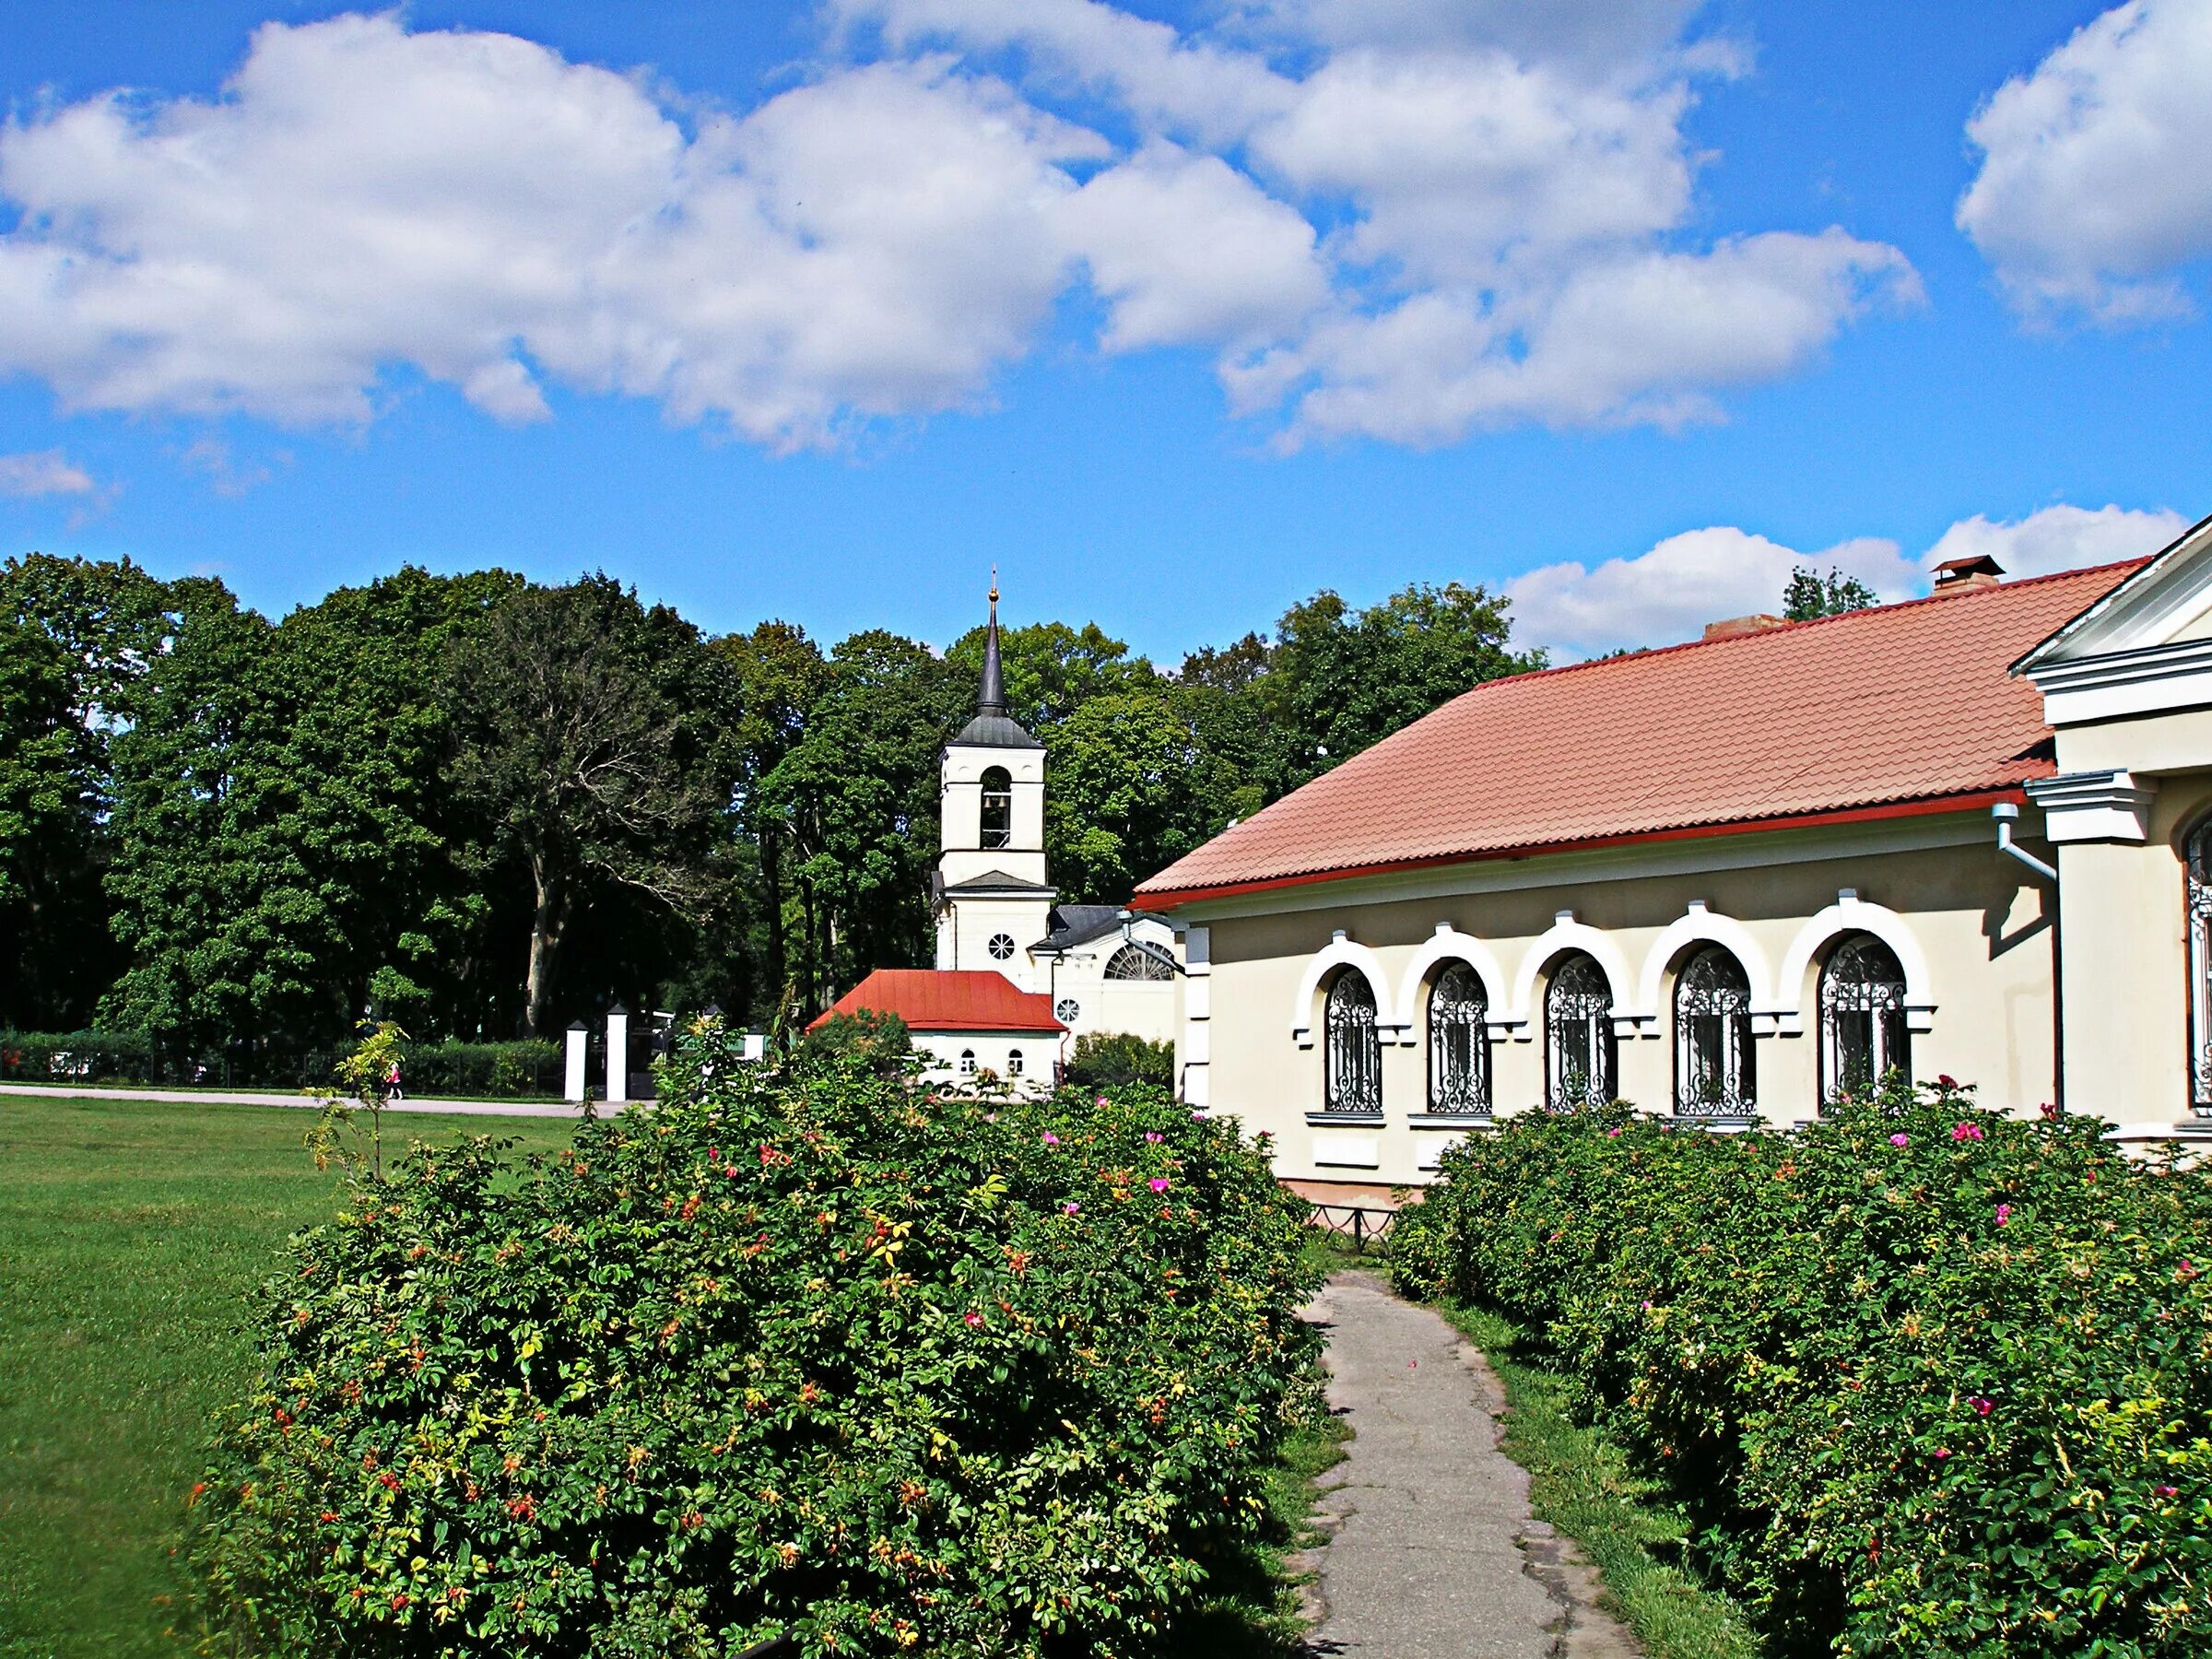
[129, 1234]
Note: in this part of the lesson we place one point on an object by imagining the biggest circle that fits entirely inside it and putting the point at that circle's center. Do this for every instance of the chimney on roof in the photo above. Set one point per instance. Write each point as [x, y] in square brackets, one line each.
[1980, 572]
[1732, 625]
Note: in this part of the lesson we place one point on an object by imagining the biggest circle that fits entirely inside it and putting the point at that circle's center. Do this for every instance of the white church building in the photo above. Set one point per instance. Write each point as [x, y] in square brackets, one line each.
[1076, 969]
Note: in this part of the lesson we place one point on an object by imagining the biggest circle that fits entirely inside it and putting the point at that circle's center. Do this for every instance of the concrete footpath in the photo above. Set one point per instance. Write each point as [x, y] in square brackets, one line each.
[1433, 1553]
[242, 1097]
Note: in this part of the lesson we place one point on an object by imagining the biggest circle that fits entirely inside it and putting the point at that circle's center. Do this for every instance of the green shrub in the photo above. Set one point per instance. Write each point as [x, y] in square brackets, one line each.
[1106, 1059]
[1928, 1379]
[829, 1356]
[879, 1040]
[75, 1057]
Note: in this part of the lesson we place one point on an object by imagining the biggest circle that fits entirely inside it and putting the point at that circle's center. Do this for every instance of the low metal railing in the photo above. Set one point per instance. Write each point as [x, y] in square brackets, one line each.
[1360, 1223]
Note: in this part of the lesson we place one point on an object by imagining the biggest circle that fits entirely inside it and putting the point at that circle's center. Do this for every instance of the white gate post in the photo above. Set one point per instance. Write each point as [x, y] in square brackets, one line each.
[618, 1054]
[579, 1046]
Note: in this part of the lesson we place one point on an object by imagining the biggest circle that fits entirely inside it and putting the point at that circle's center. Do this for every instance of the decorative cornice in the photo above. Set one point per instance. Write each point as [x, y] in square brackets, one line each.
[2094, 807]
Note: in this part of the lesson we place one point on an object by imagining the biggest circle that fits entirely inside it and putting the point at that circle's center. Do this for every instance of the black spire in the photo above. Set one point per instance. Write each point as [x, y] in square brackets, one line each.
[993, 698]
[993, 727]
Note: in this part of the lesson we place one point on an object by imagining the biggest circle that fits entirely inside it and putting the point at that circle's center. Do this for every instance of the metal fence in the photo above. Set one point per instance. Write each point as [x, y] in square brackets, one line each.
[1362, 1225]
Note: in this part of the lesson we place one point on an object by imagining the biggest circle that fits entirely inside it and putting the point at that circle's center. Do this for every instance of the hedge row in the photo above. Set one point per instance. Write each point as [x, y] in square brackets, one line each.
[819, 1355]
[1927, 1379]
[470, 1068]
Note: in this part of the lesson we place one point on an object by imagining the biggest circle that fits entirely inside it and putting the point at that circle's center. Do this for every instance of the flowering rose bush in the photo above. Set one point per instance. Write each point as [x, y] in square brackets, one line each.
[816, 1355]
[1927, 1379]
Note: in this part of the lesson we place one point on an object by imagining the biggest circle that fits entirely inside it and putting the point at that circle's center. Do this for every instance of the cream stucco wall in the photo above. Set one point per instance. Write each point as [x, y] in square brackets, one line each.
[1973, 927]
[993, 1051]
[2125, 964]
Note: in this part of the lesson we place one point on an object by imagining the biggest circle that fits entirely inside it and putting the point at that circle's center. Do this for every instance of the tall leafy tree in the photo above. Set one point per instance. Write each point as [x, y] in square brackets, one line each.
[1132, 789]
[1340, 679]
[101, 624]
[778, 674]
[585, 726]
[1810, 595]
[857, 796]
[214, 898]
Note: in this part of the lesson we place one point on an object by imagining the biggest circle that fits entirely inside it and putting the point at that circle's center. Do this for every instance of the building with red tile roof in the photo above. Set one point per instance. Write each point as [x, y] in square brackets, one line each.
[1726, 880]
[931, 999]
[965, 1022]
[1894, 709]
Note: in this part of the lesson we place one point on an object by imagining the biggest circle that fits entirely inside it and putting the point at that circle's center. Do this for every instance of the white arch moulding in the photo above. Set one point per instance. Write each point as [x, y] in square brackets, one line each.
[1564, 935]
[1447, 944]
[1341, 952]
[1850, 913]
[1700, 925]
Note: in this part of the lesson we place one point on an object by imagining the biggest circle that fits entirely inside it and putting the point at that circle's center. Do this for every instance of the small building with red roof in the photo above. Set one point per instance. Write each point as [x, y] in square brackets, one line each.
[965, 1022]
[1726, 880]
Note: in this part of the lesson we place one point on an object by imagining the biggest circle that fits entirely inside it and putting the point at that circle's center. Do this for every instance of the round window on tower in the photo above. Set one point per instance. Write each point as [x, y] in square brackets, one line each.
[1001, 946]
[1067, 1010]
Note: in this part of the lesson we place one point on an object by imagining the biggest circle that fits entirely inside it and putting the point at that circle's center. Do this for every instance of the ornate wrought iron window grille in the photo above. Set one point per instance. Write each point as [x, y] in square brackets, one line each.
[1354, 1055]
[1863, 1037]
[1714, 1058]
[1578, 1032]
[1459, 1045]
[1138, 962]
[2200, 969]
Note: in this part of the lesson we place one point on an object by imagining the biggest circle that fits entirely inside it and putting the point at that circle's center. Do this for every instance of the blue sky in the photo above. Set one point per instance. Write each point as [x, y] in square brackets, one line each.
[818, 313]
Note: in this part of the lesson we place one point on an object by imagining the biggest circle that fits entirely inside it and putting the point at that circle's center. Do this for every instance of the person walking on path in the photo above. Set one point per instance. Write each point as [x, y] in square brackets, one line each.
[1434, 1553]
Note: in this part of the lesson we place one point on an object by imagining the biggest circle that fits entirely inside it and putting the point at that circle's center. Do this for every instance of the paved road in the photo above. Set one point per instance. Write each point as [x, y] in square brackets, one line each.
[1435, 1554]
[200, 1097]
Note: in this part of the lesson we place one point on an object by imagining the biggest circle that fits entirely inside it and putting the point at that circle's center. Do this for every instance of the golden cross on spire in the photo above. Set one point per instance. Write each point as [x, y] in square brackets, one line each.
[994, 585]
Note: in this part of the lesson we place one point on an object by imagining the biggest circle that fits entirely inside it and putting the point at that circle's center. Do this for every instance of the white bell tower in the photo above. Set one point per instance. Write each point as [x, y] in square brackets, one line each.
[991, 901]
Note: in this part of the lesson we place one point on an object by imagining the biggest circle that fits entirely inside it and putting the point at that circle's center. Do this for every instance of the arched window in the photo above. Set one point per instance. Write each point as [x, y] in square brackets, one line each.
[966, 1063]
[1013, 1063]
[1863, 1034]
[1459, 1044]
[1354, 1082]
[998, 810]
[1578, 1029]
[1713, 1063]
[2200, 969]
[1138, 962]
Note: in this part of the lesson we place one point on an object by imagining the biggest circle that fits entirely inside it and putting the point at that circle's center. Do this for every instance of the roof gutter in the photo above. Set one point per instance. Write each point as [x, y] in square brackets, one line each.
[1157, 900]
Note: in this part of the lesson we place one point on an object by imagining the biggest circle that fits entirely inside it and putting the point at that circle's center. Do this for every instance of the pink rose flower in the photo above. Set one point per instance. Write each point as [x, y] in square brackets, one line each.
[1900, 1140]
[1051, 1139]
[1101, 1100]
[1966, 1132]
[1197, 1117]
[1942, 1452]
[1070, 1207]
[2166, 1491]
[975, 1319]
[1983, 1405]
[1151, 1137]
[2003, 1214]
[1159, 1184]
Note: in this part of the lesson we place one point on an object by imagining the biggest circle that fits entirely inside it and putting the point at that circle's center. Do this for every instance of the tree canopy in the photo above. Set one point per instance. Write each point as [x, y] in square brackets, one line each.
[481, 807]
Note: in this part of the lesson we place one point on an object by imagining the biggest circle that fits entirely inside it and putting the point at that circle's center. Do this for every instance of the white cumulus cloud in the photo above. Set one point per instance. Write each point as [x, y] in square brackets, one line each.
[35, 473]
[1667, 595]
[2093, 187]
[2059, 538]
[1409, 222]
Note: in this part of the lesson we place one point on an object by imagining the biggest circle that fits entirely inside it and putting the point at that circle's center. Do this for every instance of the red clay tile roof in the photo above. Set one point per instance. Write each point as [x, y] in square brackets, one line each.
[1900, 704]
[966, 1000]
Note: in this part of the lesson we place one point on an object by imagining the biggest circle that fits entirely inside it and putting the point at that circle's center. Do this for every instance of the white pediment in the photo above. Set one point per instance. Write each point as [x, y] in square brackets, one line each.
[2144, 648]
